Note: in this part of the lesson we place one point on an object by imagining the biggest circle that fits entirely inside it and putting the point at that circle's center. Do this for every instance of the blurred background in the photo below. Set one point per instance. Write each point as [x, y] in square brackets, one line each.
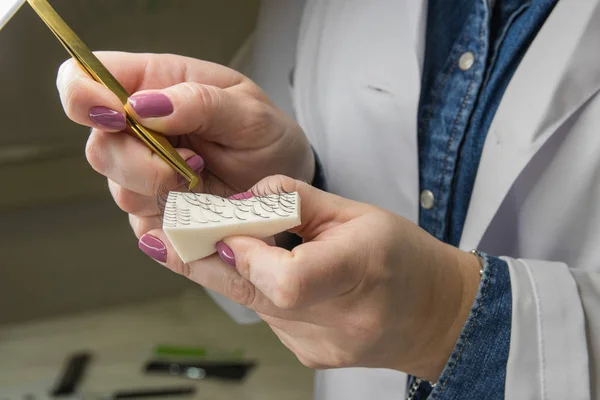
[72, 279]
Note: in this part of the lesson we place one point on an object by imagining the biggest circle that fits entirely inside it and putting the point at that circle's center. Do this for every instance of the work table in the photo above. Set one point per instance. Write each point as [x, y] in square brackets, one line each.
[122, 338]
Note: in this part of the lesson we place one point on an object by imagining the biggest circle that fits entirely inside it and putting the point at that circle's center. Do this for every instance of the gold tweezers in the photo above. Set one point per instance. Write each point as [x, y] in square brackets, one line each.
[95, 69]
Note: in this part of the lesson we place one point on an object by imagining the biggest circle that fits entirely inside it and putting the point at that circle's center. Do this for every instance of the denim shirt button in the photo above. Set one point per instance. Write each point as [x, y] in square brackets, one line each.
[465, 62]
[427, 199]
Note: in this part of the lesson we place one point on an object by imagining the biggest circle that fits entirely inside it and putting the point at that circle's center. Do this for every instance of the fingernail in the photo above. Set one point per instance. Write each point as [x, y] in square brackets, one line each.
[111, 119]
[226, 253]
[153, 247]
[241, 196]
[196, 163]
[151, 105]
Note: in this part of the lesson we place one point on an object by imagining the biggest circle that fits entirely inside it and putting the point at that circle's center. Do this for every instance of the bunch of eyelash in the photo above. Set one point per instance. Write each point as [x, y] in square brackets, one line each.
[211, 207]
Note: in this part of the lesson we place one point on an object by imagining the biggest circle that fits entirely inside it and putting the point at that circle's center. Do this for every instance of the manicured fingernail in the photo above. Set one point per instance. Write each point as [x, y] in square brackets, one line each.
[153, 247]
[196, 163]
[226, 253]
[241, 196]
[151, 105]
[107, 118]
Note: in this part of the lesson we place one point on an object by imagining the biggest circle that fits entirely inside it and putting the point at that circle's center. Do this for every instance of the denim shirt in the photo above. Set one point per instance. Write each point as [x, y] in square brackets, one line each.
[473, 48]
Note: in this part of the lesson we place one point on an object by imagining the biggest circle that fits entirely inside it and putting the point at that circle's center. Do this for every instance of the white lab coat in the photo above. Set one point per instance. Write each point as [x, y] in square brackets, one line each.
[536, 200]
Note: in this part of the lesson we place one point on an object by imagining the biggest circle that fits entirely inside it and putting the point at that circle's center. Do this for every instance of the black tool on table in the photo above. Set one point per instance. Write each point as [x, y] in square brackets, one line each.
[72, 375]
[149, 393]
[224, 370]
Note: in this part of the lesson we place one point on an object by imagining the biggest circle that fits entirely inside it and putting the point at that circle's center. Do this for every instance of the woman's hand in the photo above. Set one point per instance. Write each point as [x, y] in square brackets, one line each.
[366, 287]
[219, 121]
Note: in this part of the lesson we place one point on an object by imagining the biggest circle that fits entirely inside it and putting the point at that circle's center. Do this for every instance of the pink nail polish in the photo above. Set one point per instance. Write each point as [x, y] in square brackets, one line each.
[196, 163]
[153, 247]
[151, 105]
[107, 118]
[226, 253]
[241, 196]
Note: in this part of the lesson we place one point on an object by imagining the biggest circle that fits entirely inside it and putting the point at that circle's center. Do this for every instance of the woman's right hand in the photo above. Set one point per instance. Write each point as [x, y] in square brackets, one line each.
[218, 120]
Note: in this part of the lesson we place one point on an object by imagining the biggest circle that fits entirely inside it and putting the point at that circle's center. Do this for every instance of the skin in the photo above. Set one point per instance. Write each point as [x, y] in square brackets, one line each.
[366, 288]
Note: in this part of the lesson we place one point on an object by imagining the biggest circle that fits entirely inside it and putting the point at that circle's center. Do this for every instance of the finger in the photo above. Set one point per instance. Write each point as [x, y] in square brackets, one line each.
[146, 212]
[210, 272]
[79, 93]
[210, 111]
[313, 271]
[143, 225]
[134, 203]
[131, 164]
[319, 210]
[153, 206]
[101, 110]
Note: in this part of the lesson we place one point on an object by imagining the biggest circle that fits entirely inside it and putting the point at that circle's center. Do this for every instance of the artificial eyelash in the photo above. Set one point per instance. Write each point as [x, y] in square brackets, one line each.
[211, 208]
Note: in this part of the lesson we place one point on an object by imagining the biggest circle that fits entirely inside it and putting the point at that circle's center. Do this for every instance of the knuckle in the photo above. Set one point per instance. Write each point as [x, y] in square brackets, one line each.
[96, 154]
[143, 225]
[206, 97]
[71, 92]
[288, 291]
[125, 199]
[139, 226]
[258, 118]
[134, 222]
[240, 291]
[193, 91]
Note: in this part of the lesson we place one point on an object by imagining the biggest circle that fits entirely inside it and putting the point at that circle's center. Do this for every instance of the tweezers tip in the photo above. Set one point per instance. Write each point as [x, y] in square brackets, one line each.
[194, 182]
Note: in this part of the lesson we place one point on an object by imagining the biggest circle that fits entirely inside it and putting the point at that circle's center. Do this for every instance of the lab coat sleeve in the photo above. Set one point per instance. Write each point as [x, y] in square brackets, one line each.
[555, 332]
[533, 333]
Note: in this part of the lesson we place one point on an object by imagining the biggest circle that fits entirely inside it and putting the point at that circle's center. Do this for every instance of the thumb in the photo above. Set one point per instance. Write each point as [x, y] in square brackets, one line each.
[319, 210]
[313, 271]
[195, 108]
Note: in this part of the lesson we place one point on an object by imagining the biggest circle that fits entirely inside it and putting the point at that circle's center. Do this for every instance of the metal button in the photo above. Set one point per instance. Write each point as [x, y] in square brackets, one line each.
[427, 199]
[465, 62]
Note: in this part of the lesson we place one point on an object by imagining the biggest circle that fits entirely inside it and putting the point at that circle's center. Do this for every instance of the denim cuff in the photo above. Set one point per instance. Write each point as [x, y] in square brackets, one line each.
[476, 368]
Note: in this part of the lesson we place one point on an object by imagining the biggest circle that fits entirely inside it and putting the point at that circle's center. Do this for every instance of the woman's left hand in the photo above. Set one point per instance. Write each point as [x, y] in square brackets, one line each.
[366, 288]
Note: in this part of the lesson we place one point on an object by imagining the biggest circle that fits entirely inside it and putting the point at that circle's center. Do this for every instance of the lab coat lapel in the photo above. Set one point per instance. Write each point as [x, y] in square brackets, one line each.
[558, 74]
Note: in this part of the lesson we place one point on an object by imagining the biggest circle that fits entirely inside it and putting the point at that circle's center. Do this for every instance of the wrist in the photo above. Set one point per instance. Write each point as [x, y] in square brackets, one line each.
[467, 267]
[456, 280]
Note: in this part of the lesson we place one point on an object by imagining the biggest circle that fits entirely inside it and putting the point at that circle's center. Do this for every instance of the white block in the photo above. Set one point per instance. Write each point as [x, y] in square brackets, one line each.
[195, 222]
